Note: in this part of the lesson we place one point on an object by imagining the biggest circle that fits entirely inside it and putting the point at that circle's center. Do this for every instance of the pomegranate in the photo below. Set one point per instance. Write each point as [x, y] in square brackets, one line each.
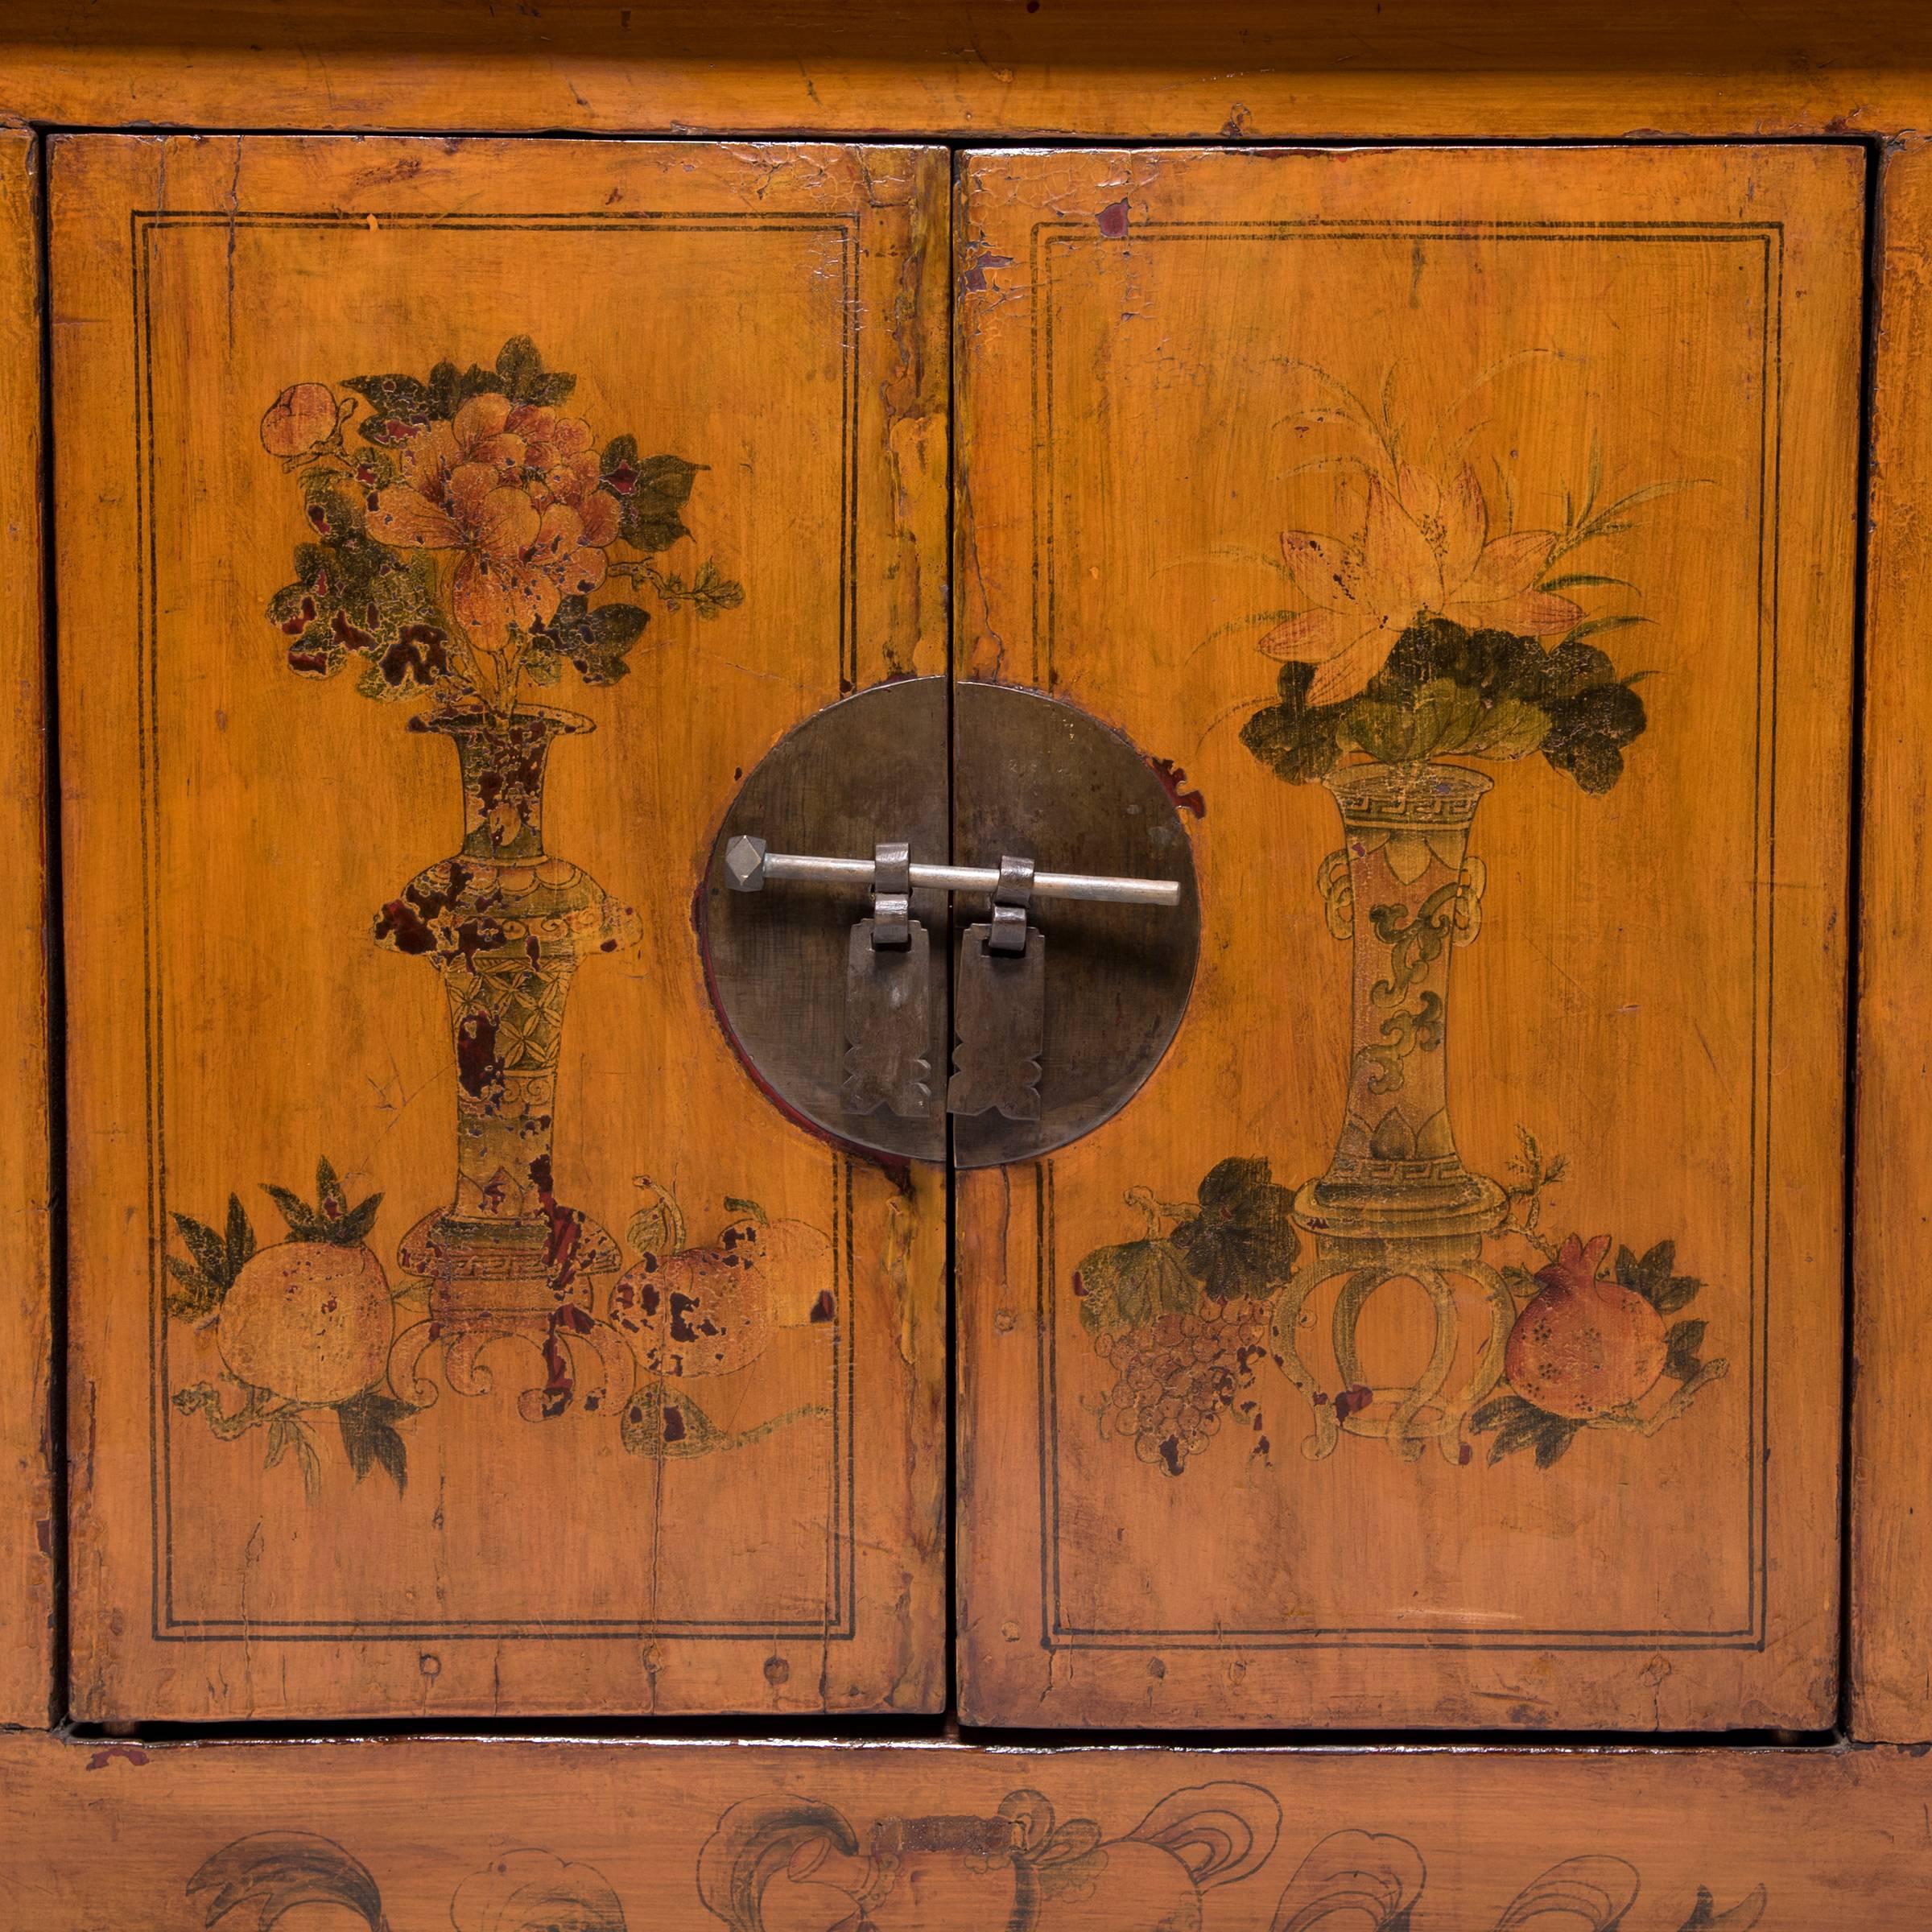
[312, 1320]
[1584, 1346]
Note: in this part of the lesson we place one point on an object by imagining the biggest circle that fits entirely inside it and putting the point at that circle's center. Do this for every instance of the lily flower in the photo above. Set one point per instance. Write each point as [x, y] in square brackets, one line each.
[1424, 550]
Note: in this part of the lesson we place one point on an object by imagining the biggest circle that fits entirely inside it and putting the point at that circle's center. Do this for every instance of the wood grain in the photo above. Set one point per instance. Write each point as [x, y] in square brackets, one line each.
[544, 1499]
[1200, 394]
[1314, 70]
[27, 1528]
[487, 1836]
[1891, 1582]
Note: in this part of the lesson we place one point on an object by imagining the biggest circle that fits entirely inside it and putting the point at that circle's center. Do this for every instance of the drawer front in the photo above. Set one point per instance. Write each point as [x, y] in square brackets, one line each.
[503, 1837]
[444, 524]
[27, 1527]
[1449, 1333]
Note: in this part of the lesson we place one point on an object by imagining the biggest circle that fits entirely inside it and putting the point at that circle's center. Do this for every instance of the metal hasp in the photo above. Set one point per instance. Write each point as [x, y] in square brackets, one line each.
[888, 997]
[839, 1020]
[1000, 1006]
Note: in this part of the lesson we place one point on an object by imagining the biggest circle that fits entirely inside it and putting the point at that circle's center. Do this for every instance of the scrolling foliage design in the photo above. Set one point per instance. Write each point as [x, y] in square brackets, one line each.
[787, 1864]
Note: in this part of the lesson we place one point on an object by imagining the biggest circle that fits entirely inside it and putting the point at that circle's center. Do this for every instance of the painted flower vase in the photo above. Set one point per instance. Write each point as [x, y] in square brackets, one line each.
[1406, 891]
[506, 924]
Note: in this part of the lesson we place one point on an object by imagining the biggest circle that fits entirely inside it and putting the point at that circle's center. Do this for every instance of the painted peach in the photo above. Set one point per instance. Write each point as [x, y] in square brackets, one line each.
[309, 1320]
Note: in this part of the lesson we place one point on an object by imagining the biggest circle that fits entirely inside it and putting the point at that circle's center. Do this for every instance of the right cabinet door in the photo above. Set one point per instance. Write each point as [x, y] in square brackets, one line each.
[1449, 1333]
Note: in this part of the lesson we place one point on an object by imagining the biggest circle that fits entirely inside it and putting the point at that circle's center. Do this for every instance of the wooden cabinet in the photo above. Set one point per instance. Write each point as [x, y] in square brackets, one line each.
[444, 524]
[1449, 1332]
[1438, 499]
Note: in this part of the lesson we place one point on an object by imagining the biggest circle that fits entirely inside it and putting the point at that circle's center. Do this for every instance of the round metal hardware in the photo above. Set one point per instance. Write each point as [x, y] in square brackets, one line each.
[1030, 775]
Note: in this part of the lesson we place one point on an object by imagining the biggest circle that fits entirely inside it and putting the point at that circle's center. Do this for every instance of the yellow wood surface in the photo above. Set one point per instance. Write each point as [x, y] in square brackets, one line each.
[1890, 1557]
[27, 1528]
[1308, 69]
[504, 1837]
[767, 1537]
[1199, 393]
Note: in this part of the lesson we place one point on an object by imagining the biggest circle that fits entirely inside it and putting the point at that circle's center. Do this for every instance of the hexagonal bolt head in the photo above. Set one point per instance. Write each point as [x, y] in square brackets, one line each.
[744, 864]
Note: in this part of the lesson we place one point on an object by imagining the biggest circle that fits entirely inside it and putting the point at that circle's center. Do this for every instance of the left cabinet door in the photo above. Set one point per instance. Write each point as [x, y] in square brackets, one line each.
[26, 1505]
[440, 525]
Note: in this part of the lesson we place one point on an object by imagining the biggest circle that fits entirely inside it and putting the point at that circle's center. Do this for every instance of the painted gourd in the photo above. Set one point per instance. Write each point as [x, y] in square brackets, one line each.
[713, 1310]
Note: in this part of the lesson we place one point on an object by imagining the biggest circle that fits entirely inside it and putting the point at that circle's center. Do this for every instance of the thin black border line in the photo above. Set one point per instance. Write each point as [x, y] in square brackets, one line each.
[143, 224]
[1056, 1633]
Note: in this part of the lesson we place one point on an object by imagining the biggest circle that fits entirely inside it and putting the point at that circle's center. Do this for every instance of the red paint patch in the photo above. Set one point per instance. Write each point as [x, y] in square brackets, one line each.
[974, 281]
[1174, 781]
[101, 1759]
[1112, 221]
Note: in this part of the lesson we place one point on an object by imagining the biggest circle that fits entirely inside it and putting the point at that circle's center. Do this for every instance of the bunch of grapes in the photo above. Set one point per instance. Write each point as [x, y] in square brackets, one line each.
[1179, 1375]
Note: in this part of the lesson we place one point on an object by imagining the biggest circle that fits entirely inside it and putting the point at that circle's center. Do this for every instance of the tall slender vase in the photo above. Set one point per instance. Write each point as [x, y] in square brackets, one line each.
[1405, 890]
[505, 924]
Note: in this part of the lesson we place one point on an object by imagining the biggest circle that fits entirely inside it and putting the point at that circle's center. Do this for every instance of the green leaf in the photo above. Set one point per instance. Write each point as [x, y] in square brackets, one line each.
[1521, 1425]
[331, 1203]
[195, 1296]
[1441, 717]
[304, 1224]
[240, 1239]
[1654, 1279]
[354, 1228]
[595, 641]
[1508, 728]
[738, 1204]
[1577, 579]
[1121, 1287]
[1684, 1340]
[520, 369]
[648, 519]
[208, 1248]
[370, 1435]
[1242, 1240]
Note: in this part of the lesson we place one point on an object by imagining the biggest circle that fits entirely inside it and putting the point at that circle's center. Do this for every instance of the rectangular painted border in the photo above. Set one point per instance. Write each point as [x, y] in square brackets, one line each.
[839, 1624]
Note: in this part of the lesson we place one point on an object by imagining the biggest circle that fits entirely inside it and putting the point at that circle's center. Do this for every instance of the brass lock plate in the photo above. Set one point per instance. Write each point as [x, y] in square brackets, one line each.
[964, 774]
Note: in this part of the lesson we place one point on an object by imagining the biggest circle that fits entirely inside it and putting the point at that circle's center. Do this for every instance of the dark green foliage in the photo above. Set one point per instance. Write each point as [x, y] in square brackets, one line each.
[200, 1285]
[1522, 1425]
[650, 491]
[402, 406]
[1237, 1238]
[1242, 1240]
[594, 641]
[332, 1218]
[370, 1435]
[1447, 690]
[1654, 1278]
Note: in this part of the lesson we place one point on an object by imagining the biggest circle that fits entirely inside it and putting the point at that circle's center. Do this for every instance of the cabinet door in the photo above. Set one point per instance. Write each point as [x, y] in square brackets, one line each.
[1449, 1333]
[442, 525]
[27, 1506]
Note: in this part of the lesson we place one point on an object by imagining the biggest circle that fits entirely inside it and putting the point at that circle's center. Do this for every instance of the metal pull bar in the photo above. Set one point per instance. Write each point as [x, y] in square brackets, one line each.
[749, 867]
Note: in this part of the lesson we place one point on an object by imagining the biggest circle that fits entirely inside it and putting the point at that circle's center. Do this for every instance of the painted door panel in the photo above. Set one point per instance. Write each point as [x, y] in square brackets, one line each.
[1449, 1333]
[454, 1330]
